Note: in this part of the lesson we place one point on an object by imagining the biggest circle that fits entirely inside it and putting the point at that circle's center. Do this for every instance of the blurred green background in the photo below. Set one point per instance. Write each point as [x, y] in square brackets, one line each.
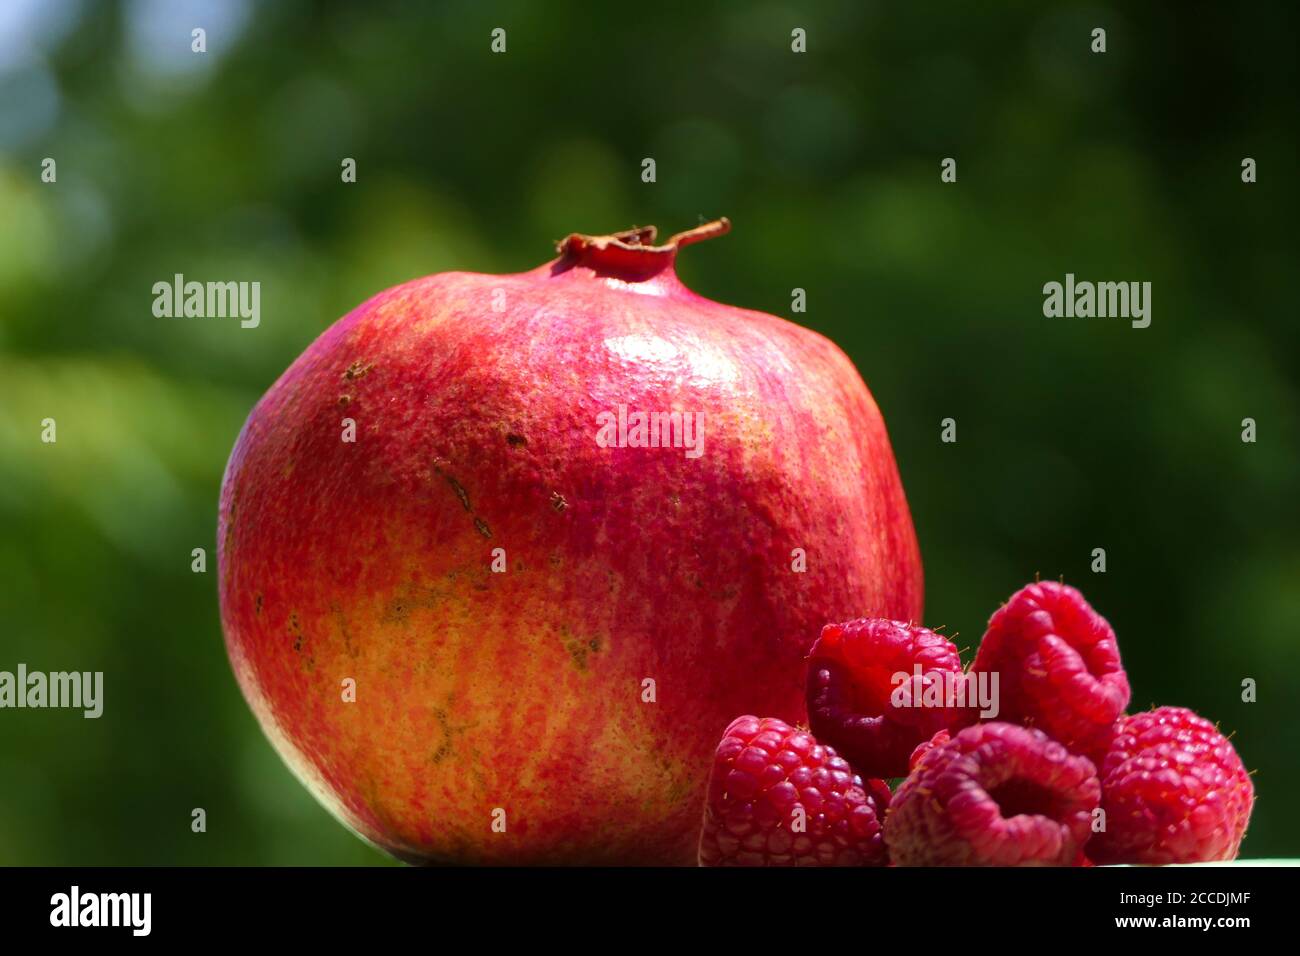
[1072, 434]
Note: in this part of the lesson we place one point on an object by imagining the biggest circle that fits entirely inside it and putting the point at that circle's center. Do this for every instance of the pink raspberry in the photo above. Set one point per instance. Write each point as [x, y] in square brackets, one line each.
[1058, 666]
[1174, 791]
[778, 798]
[865, 700]
[994, 795]
[923, 748]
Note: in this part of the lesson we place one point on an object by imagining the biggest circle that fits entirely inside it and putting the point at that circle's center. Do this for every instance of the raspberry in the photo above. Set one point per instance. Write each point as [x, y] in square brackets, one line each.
[994, 795]
[778, 798]
[1058, 666]
[923, 748]
[1174, 791]
[858, 704]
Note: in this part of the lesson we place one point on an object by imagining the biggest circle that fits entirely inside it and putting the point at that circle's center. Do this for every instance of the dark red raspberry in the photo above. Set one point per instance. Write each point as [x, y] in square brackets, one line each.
[1058, 667]
[1174, 791]
[778, 798]
[994, 795]
[858, 704]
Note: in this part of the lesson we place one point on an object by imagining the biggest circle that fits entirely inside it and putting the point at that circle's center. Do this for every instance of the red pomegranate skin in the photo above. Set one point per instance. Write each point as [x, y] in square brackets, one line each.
[518, 700]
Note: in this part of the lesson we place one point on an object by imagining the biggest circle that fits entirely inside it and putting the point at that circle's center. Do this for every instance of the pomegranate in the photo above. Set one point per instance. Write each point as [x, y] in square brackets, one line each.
[501, 556]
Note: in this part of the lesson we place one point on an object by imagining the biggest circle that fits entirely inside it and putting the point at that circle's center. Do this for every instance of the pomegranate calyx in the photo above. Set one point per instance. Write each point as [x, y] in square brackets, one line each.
[631, 254]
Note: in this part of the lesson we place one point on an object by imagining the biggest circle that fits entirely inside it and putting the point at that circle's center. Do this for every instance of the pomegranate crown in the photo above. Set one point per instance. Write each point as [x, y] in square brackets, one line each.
[632, 253]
